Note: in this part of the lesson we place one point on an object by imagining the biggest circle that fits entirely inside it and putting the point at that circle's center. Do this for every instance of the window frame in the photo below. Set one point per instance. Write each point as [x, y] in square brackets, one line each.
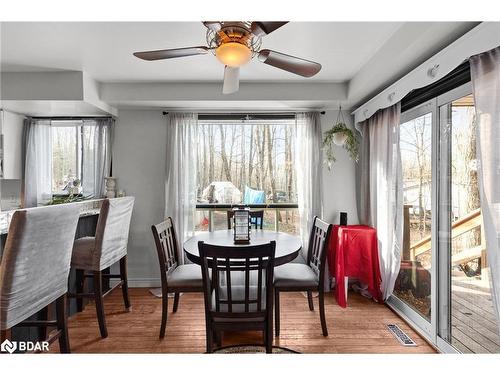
[237, 120]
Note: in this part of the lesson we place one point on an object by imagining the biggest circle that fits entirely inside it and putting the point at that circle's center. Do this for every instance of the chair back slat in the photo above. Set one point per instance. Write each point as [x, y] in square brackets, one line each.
[259, 284]
[166, 246]
[318, 246]
[247, 285]
[230, 291]
[228, 286]
[216, 282]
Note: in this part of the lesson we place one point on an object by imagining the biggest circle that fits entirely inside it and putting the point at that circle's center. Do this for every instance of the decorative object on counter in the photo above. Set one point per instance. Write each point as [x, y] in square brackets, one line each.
[341, 135]
[343, 218]
[110, 187]
[120, 194]
[74, 187]
[242, 225]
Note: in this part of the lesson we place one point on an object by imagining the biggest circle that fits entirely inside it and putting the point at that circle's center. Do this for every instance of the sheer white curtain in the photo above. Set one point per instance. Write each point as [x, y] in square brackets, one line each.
[37, 179]
[308, 169]
[96, 155]
[485, 73]
[379, 185]
[180, 187]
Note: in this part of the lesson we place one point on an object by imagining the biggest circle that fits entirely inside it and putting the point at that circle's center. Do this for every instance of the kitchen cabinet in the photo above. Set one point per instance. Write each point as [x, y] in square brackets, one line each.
[11, 125]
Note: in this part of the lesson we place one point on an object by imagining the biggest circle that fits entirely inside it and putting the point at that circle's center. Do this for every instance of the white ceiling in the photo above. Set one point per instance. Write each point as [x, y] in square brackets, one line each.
[359, 59]
[104, 50]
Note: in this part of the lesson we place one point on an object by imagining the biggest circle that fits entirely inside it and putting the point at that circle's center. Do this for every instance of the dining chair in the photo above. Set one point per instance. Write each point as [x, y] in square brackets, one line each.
[95, 254]
[232, 306]
[35, 268]
[254, 215]
[175, 277]
[297, 277]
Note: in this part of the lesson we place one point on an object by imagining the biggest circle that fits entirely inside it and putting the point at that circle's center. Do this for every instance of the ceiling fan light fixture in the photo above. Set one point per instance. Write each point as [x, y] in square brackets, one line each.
[233, 54]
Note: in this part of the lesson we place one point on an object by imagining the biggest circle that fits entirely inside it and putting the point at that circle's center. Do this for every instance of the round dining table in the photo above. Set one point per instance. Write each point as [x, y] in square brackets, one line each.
[287, 246]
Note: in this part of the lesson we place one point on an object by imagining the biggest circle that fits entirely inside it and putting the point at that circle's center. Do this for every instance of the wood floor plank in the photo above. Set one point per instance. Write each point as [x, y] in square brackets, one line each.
[360, 328]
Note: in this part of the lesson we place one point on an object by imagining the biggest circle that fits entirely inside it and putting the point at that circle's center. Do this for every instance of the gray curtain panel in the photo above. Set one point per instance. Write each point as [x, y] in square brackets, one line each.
[309, 172]
[485, 73]
[37, 162]
[36, 260]
[181, 184]
[96, 155]
[379, 190]
[363, 178]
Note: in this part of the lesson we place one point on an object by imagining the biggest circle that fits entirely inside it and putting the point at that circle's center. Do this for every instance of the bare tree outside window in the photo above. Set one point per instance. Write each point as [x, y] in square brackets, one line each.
[247, 154]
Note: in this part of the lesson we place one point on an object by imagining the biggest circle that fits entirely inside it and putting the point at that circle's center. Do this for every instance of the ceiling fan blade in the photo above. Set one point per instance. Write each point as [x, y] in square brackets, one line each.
[264, 28]
[212, 25]
[171, 53]
[231, 80]
[292, 64]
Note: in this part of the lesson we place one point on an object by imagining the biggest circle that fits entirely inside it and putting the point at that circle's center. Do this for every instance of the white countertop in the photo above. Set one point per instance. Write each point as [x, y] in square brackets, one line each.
[88, 208]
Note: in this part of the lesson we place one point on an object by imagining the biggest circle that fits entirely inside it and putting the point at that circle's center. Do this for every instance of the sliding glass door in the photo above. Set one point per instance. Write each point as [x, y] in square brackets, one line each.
[413, 290]
[443, 286]
[466, 316]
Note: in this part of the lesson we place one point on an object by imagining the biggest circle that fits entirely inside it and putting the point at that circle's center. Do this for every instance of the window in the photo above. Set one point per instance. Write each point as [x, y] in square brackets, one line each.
[249, 162]
[66, 155]
[80, 156]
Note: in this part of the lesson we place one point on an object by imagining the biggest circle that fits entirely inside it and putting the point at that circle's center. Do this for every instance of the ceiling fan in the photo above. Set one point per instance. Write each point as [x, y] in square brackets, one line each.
[235, 44]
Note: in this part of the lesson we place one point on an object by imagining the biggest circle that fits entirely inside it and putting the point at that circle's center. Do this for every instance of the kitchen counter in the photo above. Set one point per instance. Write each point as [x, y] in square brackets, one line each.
[89, 207]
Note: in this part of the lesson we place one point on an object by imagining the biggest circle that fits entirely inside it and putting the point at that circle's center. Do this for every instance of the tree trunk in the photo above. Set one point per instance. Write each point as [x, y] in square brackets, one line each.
[225, 164]
[260, 138]
[250, 161]
[210, 154]
[270, 163]
[243, 158]
[289, 164]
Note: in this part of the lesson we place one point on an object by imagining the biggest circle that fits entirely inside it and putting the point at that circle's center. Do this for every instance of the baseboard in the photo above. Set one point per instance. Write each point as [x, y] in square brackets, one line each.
[144, 283]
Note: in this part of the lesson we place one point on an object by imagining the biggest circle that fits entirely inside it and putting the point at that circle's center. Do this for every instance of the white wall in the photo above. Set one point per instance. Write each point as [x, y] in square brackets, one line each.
[339, 189]
[139, 151]
[139, 164]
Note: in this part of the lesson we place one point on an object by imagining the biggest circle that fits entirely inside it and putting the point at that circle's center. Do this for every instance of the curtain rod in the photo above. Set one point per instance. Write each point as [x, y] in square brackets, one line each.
[245, 114]
[64, 118]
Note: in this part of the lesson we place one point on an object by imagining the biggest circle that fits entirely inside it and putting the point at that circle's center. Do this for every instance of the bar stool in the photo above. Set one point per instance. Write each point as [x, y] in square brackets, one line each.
[35, 268]
[94, 254]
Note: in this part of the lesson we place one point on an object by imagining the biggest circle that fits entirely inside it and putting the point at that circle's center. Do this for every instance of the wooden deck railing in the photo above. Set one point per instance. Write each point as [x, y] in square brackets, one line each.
[276, 207]
[463, 225]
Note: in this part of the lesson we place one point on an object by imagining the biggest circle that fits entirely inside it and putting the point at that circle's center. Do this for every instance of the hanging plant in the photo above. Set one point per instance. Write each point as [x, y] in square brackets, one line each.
[343, 136]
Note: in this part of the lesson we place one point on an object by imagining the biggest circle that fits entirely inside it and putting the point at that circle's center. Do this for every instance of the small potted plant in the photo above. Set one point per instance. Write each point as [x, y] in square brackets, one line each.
[341, 135]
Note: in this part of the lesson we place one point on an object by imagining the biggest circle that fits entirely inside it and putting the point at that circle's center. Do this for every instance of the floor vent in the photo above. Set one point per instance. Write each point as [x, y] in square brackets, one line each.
[402, 337]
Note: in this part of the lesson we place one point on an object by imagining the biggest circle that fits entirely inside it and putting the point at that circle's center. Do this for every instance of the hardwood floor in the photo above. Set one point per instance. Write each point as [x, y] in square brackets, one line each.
[360, 328]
